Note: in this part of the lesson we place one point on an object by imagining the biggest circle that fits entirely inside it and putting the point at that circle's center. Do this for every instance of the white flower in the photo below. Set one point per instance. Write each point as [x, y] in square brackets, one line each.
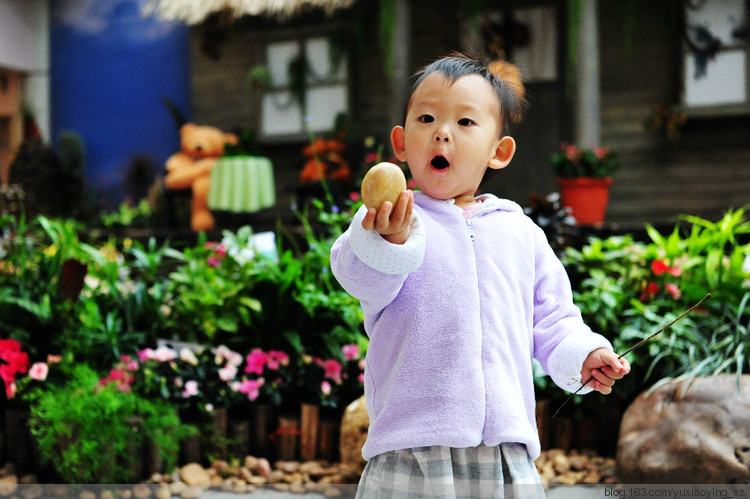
[188, 356]
[164, 354]
[228, 373]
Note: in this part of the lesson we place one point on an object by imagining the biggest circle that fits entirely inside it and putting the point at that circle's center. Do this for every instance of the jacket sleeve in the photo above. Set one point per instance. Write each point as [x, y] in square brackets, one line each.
[561, 339]
[370, 268]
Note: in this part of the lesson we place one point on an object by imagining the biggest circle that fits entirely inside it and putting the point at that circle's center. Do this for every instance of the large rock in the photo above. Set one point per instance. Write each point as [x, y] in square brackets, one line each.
[354, 427]
[688, 433]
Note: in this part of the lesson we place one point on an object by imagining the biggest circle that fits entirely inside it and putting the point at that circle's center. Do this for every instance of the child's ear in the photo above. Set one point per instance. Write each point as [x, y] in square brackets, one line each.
[398, 142]
[504, 152]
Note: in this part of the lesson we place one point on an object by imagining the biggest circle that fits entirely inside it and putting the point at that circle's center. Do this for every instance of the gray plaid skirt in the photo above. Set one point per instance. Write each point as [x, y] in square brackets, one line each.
[505, 471]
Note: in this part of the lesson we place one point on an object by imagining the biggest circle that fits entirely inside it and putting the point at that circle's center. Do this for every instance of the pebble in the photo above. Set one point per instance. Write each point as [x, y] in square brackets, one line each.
[246, 476]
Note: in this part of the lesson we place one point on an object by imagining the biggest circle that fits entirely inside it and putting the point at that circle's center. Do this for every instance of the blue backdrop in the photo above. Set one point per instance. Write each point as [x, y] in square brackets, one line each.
[111, 68]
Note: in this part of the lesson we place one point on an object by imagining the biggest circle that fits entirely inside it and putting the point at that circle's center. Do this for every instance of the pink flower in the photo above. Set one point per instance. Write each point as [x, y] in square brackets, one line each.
[354, 196]
[351, 352]
[39, 371]
[218, 248]
[146, 354]
[325, 388]
[332, 370]
[250, 387]
[219, 253]
[277, 358]
[256, 361]
[54, 359]
[191, 389]
[601, 152]
[361, 377]
[673, 290]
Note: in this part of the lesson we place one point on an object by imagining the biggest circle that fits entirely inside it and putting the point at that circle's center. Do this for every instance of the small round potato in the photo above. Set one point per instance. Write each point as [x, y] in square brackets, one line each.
[383, 182]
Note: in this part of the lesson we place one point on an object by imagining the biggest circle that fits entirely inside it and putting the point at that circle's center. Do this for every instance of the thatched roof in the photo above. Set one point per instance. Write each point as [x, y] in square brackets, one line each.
[196, 11]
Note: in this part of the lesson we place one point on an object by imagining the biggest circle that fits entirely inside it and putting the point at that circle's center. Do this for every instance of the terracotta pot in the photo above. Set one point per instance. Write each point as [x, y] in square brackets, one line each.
[586, 197]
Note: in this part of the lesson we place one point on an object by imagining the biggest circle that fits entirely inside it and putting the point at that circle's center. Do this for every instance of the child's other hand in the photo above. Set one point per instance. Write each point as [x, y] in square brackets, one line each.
[606, 368]
[392, 222]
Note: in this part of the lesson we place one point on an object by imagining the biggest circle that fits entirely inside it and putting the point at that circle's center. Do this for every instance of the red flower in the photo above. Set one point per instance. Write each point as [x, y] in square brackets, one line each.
[660, 267]
[601, 152]
[650, 291]
[15, 361]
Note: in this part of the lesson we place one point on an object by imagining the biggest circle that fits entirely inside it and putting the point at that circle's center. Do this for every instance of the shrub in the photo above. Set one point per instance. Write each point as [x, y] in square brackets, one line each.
[626, 290]
[91, 432]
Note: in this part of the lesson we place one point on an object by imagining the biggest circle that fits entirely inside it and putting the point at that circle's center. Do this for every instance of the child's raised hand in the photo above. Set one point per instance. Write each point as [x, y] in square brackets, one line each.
[392, 222]
[606, 367]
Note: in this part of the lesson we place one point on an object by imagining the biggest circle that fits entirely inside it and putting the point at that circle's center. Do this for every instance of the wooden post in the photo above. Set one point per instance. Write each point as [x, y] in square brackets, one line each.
[219, 430]
[309, 423]
[261, 431]
[239, 434]
[286, 437]
[564, 433]
[328, 441]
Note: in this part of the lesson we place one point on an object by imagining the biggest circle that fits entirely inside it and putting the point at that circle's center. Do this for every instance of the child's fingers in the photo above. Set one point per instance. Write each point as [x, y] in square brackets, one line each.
[402, 212]
[602, 383]
[368, 223]
[611, 372]
[383, 218]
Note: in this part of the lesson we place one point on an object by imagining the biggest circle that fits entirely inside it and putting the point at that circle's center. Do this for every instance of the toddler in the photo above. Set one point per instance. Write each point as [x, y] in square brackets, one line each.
[459, 294]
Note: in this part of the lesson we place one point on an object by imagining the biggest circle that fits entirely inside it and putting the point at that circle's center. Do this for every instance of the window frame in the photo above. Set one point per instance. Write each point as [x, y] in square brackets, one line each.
[339, 80]
[718, 108]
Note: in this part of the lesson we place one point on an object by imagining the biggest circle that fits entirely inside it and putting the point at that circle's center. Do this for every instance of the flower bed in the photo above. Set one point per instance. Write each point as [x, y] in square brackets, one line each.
[228, 331]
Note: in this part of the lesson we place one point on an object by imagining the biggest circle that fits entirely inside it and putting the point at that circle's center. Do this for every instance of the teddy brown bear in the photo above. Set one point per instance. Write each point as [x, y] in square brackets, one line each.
[191, 168]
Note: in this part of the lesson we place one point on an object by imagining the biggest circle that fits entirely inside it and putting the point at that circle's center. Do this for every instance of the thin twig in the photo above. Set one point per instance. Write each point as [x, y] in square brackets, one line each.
[637, 345]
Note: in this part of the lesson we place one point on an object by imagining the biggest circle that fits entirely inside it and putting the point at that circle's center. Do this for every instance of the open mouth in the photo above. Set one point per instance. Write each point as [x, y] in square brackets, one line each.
[440, 163]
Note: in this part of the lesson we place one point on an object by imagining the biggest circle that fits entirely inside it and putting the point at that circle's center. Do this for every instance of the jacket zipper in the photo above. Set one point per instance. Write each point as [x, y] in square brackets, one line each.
[470, 228]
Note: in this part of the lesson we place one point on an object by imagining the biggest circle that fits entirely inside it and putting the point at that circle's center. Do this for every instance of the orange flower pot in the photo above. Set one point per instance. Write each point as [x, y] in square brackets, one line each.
[586, 197]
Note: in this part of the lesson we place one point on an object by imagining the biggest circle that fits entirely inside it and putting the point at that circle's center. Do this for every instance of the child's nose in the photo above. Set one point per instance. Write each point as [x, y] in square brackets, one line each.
[442, 135]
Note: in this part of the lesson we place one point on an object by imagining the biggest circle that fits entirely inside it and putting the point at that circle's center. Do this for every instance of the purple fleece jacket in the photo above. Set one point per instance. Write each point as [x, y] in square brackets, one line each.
[454, 317]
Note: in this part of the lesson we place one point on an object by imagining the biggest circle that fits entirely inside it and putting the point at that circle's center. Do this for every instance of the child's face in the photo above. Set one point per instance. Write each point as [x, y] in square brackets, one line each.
[451, 135]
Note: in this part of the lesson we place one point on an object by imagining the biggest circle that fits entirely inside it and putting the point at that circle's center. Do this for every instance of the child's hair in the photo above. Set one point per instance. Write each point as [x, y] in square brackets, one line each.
[502, 75]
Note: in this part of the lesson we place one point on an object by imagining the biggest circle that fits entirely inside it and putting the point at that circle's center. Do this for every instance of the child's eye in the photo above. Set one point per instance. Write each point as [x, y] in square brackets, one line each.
[465, 122]
[426, 118]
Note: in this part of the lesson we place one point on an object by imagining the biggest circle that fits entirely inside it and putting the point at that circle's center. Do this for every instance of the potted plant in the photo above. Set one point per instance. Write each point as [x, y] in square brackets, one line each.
[584, 179]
